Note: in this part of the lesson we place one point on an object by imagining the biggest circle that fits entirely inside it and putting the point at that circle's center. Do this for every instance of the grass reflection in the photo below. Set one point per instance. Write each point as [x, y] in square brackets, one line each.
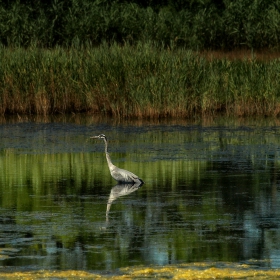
[210, 194]
[49, 174]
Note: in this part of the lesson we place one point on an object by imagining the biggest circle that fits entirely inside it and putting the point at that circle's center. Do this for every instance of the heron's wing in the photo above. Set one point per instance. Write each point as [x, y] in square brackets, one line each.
[123, 175]
[130, 174]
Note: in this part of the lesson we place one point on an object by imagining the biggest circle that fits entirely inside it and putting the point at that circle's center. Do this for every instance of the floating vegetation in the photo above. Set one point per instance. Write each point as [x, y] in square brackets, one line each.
[185, 271]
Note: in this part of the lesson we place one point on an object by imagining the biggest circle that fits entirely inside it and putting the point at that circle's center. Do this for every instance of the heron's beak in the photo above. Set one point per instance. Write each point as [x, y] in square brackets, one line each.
[94, 137]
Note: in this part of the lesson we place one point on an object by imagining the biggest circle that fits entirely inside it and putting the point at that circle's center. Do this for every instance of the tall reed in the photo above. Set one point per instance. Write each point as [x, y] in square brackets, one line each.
[191, 24]
[141, 81]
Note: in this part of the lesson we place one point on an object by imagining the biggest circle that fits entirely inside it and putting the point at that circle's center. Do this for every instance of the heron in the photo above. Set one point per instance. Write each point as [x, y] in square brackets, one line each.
[120, 175]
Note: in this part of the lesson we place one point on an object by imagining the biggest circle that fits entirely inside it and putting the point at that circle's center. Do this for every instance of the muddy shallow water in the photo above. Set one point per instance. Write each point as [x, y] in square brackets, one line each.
[211, 194]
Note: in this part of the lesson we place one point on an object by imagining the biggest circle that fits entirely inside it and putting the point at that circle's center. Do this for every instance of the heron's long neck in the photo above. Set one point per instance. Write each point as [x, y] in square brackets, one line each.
[106, 145]
[110, 164]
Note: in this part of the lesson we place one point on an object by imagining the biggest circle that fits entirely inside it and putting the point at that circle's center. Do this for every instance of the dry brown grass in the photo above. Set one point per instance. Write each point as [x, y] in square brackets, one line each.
[241, 54]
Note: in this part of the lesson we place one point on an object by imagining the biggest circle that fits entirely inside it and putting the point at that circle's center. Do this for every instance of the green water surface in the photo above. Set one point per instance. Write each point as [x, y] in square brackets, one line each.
[211, 193]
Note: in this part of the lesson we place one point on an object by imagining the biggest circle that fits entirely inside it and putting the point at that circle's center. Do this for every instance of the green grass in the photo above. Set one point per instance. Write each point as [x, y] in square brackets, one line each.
[141, 81]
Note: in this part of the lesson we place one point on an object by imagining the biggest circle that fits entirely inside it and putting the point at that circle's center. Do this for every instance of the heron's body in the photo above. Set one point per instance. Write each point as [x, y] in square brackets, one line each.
[120, 175]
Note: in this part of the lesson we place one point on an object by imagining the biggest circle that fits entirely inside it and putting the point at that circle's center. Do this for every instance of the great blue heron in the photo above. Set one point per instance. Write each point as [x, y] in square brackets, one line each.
[120, 175]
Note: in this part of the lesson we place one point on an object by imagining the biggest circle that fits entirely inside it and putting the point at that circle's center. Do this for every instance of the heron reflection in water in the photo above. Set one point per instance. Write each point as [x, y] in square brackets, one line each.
[122, 176]
[121, 190]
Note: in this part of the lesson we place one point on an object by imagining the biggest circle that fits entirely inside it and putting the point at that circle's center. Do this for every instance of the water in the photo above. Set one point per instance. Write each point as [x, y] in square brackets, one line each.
[211, 194]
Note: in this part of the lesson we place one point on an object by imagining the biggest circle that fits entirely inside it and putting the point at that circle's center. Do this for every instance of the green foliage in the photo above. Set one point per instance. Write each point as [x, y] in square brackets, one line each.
[140, 81]
[192, 24]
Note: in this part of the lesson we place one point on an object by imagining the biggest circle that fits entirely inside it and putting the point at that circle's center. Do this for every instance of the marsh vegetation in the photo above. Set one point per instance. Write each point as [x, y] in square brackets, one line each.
[144, 60]
[136, 81]
[197, 24]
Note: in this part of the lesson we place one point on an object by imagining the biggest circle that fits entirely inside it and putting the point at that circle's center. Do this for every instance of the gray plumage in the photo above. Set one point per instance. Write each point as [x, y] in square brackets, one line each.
[120, 175]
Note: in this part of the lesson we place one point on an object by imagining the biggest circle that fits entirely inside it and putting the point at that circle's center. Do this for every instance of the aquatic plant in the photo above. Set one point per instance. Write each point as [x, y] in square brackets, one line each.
[144, 81]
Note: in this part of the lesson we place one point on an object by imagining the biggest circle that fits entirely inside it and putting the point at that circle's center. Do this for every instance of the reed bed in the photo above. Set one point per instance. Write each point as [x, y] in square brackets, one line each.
[191, 24]
[142, 81]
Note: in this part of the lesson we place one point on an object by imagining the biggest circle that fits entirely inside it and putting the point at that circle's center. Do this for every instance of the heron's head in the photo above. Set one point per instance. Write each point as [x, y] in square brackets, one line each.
[101, 136]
